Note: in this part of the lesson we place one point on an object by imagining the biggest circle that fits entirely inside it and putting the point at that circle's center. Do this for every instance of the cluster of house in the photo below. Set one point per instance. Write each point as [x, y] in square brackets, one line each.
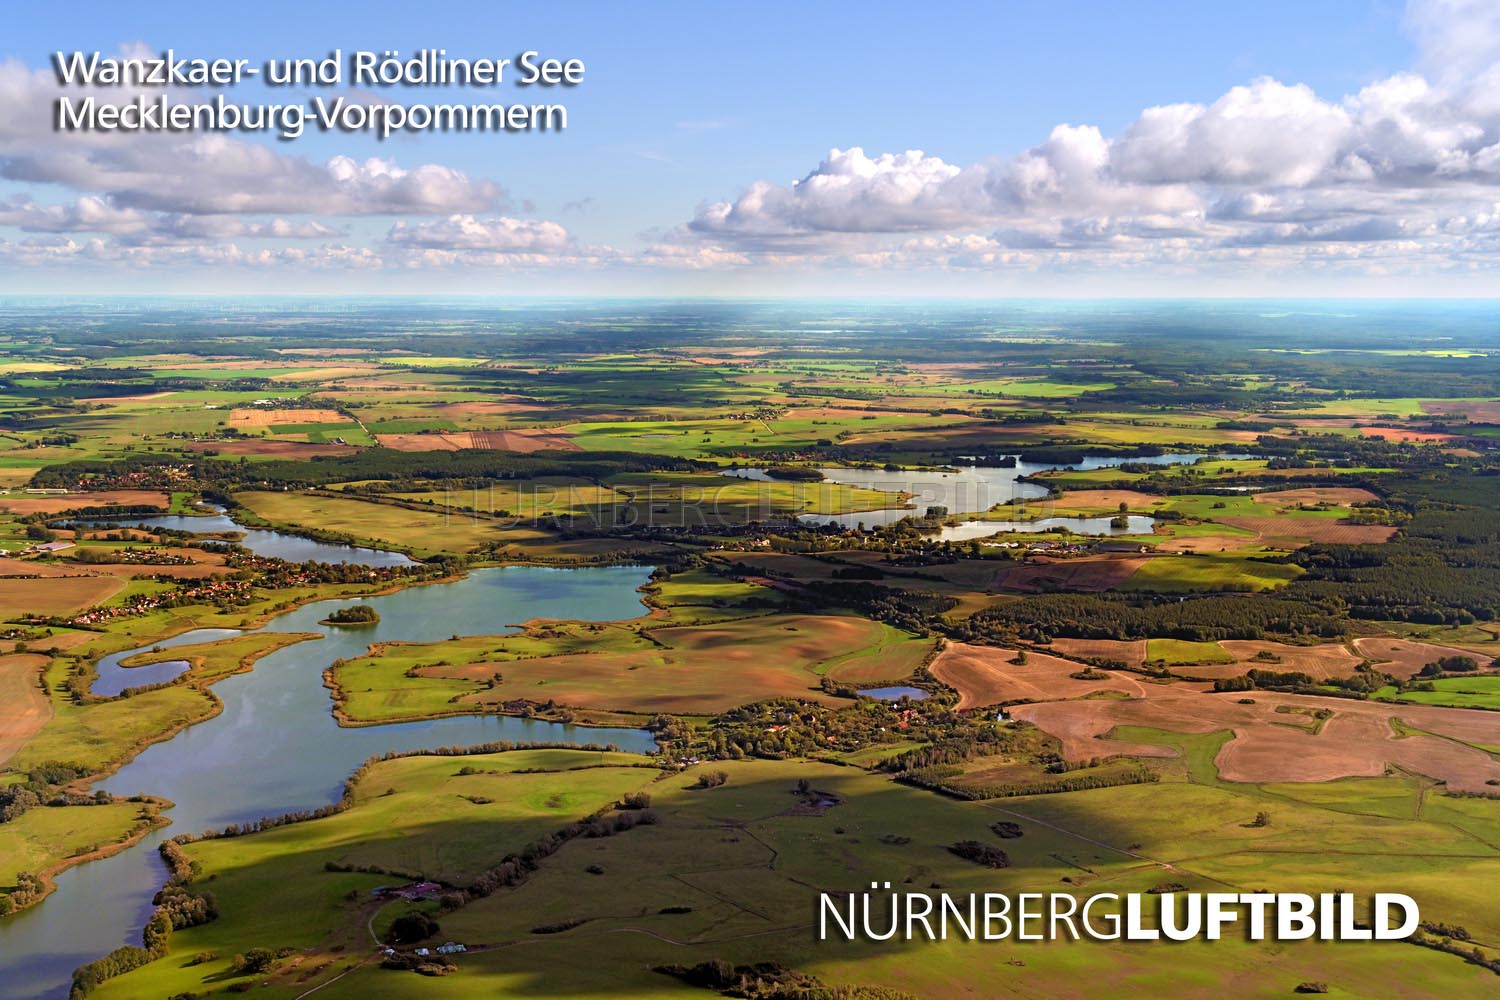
[1073, 547]
[138, 478]
[204, 592]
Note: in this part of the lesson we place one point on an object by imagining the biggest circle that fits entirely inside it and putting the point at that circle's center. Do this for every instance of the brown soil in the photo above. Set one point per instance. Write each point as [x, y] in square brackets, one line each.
[27, 707]
[1343, 496]
[281, 449]
[267, 417]
[525, 441]
[1293, 532]
[21, 503]
[984, 675]
[1107, 500]
[1270, 746]
[1089, 574]
[1403, 658]
[1319, 662]
[1131, 651]
[54, 595]
[1401, 434]
[484, 408]
[1485, 412]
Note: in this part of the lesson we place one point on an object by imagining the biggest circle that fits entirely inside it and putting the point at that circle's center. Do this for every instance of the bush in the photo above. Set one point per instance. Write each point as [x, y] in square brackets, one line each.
[980, 854]
[712, 779]
[253, 962]
[358, 614]
[410, 928]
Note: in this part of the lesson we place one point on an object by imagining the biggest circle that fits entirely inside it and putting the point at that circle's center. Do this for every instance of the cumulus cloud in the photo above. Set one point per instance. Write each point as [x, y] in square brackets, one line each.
[211, 174]
[1411, 160]
[498, 235]
[1400, 173]
[92, 214]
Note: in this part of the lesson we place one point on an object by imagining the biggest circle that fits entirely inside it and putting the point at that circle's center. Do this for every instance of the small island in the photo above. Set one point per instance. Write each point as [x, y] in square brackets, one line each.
[359, 614]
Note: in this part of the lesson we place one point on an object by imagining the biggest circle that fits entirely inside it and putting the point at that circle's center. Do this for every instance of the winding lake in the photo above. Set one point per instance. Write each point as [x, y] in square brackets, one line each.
[114, 678]
[272, 544]
[972, 490]
[276, 747]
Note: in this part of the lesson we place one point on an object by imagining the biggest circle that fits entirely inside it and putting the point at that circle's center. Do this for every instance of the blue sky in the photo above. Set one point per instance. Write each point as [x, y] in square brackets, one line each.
[1313, 165]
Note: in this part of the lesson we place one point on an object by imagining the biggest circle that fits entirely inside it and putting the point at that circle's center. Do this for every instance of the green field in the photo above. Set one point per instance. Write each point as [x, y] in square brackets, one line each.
[98, 735]
[758, 629]
[689, 670]
[728, 873]
[1179, 653]
[1459, 692]
[1210, 571]
[43, 838]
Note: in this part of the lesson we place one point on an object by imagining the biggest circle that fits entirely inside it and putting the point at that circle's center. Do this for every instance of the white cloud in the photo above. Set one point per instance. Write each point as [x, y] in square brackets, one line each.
[1411, 160]
[498, 235]
[91, 214]
[1399, 175]
[211, 174]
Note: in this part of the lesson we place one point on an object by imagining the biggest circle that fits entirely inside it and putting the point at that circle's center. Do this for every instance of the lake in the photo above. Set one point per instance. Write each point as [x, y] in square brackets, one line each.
[276, 747]
[261, 541]
[896, 693]
[968, 490]
[1136, 524]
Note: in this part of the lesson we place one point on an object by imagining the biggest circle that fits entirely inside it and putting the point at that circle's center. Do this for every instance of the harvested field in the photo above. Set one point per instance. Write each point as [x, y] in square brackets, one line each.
[1206, 543]
[142, 397]
[21, 503]
[54, 595]
[484, 408]
[326, 374]
[525, 441]
[129, 534]
[278, 449]
[1106, 500]
[29, 567]
[1294, 532]
[838, 413]
[1343, 496]
[27, 707]
[522, 441]
[57, 640]
[1403, 435]
[1090, 574]
[265, 417]
[1482, 412]
[1403, 658]
[1318, 662]
[1131, 651]
[1356, 740]
[984, 675]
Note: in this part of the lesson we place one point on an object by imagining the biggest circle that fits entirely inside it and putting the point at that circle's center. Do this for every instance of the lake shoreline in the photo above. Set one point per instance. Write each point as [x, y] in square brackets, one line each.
[48, 876]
